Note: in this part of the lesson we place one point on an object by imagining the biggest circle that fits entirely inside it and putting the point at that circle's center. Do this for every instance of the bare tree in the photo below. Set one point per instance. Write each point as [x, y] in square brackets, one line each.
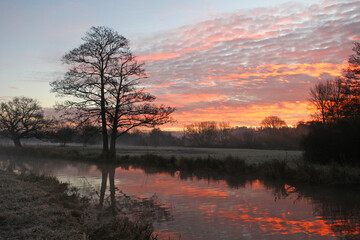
[351, 75]
[273, 122]
[320, 95]
[328, 100]
[201, 134]
[21, 117]
[224, 133]
[352, 70]
[338, 99]
[104, 86]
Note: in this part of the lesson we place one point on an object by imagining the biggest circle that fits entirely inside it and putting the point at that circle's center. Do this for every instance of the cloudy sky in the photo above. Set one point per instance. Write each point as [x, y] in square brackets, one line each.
[217, 60]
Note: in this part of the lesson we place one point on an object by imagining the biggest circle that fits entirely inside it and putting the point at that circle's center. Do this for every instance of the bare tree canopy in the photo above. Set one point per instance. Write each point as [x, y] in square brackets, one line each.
[273, 122]
[205, 134]
[21, 117]
[337, 99]
[328, 99]
[351, 75]
[104, 86]
[352, 70]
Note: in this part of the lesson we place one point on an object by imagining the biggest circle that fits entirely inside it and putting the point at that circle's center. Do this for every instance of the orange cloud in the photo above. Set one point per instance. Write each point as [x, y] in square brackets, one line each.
[159, 56]
[184, 99]
[273, 70]
[251, 115]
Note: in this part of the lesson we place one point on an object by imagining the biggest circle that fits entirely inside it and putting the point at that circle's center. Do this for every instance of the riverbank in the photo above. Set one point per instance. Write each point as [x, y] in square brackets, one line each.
[40, 207]
[295, 173]
[93, 151]
[288, 170]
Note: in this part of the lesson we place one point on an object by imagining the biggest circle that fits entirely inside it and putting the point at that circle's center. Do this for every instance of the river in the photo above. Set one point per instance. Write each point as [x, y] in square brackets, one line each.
[182, 206]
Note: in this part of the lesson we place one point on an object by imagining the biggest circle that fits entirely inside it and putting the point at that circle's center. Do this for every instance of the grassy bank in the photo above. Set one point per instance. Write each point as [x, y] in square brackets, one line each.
[278, 170]
[93, 151]
[52, 152]
[39, 207]
[286, 170]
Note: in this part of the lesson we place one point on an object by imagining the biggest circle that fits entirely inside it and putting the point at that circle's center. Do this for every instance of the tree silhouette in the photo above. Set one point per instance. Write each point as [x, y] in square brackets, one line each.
[21, 117]
[201, 134]
[104, 86]
[351, 75]
[328, 99]
[338, 99]
[87, 134]
[64, 134]
[338, 102]
[273, 122]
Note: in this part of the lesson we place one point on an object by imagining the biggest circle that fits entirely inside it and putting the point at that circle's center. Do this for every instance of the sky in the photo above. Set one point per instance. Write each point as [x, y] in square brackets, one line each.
[214, 60]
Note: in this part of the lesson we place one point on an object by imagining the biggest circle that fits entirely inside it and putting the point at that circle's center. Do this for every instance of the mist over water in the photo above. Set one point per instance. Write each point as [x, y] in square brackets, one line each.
[183, 206]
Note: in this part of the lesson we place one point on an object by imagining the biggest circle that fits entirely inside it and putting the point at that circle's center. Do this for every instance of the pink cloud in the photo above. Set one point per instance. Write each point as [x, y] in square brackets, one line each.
[268, 58]
[159, 56]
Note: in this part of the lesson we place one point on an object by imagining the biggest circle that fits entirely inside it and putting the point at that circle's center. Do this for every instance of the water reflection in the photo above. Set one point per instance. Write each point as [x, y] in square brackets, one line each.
[211, 206]
[144, 210]
[105, 171]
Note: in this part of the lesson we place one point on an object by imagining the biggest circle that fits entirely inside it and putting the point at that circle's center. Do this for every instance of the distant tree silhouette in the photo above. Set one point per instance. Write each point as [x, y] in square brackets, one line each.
[104, 86]
[64, 135]
[273, 122]
[87, 134]
[224, 133]
[22, 117]
[160, 138]
[202, 134]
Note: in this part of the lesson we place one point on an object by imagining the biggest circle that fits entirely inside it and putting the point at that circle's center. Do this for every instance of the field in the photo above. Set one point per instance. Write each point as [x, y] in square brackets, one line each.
[249, 155]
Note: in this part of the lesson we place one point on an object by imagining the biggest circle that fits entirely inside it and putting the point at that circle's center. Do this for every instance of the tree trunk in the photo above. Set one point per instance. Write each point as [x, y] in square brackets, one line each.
[113, 144]
[17, 142]
[105, 151]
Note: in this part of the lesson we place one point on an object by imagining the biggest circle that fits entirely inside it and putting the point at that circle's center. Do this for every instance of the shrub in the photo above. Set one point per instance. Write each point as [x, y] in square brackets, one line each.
[333, 142]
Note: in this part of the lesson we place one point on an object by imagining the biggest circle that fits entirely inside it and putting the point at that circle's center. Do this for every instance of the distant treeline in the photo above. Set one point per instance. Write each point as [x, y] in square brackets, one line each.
[202, 134]
[213, 134]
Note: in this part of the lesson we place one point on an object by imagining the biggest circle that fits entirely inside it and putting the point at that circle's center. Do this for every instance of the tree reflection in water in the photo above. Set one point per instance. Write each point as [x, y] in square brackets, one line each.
[144, 210]
[106, 170]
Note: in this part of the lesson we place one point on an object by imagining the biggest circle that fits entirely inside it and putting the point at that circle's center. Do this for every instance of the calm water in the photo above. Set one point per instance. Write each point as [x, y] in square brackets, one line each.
[185, 207]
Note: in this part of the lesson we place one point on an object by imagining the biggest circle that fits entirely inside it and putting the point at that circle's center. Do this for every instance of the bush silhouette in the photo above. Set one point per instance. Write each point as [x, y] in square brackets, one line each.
[333, 142]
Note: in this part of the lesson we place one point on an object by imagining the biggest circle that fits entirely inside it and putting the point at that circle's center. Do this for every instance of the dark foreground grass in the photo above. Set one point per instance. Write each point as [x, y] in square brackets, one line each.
[40, 207]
